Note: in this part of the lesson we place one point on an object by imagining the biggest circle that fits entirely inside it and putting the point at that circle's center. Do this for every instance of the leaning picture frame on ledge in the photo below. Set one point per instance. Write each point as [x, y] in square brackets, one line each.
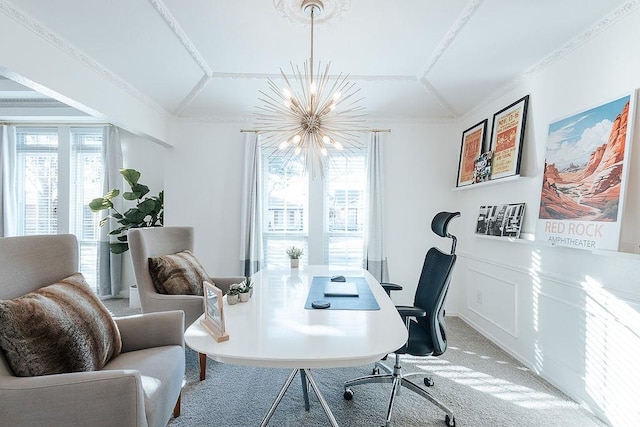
[471, 147]
[213, 320]
[507, 137]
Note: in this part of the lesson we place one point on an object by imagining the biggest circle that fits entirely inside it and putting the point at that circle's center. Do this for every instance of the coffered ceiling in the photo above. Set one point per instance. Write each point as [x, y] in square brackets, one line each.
[412, 59]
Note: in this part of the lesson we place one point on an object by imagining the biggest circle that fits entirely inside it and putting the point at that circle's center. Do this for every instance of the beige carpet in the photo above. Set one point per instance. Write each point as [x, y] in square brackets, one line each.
[482, 384]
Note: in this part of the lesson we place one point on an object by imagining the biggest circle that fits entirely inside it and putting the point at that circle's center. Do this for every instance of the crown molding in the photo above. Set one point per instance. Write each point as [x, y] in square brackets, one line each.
[265, 76]
[177, 30]
[469, 10]
[372, 120]
[560, 53]
[604, 23]
[31, 103]
[63, 45]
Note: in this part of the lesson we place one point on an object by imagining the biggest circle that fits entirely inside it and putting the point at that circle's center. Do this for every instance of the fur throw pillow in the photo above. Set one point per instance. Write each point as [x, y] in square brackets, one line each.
[178, 274]
[59, 328]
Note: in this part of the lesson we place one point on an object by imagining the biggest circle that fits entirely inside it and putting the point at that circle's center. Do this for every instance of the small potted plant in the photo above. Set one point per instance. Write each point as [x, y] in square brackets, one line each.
[249, 284]
[294, 254]
[244, 292]
[233, 296]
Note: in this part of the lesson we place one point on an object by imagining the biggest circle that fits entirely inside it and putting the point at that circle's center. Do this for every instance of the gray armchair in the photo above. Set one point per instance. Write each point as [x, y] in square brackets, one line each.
[139, 387]
[145, 243]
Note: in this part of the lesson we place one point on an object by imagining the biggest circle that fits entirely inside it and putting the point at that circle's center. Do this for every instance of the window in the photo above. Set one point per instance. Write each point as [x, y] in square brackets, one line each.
[59, 171]
[324, 217]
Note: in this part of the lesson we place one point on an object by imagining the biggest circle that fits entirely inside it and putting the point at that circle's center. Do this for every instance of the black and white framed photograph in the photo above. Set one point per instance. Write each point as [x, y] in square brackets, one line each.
[500, 220]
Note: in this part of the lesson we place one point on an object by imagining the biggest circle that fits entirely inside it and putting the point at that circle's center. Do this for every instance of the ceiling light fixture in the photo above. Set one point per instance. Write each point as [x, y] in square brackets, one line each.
[313, 113]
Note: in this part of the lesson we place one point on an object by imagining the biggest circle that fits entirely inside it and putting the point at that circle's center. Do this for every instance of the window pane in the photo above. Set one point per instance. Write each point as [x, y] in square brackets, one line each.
[37, 180]
[286, 196]
[86, 184]
[344, 188]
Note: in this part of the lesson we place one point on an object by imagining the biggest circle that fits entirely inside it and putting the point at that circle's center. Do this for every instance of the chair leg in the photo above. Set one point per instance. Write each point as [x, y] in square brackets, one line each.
[398, 380]
[176, 409]
[203, 365]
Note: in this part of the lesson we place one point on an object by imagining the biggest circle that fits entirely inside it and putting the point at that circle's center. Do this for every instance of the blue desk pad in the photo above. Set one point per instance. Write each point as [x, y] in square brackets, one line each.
[364, 301]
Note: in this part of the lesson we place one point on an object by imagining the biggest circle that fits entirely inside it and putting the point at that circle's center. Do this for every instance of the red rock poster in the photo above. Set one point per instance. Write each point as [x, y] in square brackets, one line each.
[584, 177]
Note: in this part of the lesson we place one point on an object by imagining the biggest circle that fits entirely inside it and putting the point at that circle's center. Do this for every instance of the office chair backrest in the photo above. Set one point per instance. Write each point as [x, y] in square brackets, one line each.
[434, 284]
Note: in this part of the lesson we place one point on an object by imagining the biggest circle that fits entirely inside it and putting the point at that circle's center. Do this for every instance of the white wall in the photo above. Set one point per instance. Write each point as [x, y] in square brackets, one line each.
[147, 157]
[203, 189]
[571, 315]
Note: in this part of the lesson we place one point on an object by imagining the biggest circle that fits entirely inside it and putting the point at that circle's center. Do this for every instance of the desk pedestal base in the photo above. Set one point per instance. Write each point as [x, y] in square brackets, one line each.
[307, 379]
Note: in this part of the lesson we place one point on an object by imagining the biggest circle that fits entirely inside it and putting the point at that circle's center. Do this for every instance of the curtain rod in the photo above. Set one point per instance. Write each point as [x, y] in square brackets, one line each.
[348, 130]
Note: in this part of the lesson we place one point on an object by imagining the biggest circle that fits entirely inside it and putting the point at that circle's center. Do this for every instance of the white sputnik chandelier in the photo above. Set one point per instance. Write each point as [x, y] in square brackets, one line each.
[313, 113]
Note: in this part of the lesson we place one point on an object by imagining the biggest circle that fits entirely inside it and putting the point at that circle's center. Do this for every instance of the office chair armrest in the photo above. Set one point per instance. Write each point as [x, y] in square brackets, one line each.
[388, 287]
[410, 311]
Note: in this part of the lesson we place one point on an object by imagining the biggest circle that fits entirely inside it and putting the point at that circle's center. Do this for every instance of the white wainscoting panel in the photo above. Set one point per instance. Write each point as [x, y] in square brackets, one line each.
[494, 299]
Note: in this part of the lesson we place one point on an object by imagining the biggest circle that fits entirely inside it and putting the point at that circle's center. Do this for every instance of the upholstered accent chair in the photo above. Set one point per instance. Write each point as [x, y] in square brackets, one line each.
[146, 243]
[140, 386]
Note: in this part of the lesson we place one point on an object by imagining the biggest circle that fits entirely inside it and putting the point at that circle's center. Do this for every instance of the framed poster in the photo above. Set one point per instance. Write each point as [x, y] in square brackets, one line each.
[507, 136]
[213, 320]
[585, 175]
[500, 220]
[471, 147]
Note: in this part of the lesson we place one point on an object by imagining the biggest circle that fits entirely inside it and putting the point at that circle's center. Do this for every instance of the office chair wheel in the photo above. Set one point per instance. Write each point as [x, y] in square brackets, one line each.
[375, 371]
[348, 394]
[450, 421]
[428, 382]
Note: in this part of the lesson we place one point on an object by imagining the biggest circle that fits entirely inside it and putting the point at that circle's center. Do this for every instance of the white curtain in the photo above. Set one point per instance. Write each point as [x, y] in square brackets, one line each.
[8, 183]
[251, 225]
[110, 265]
[375, 254]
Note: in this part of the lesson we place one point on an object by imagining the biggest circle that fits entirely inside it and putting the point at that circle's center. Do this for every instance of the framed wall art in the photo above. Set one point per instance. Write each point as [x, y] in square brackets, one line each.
[507, 136]
[586, 168]
[213, 320]
[500, 220]
[471, 147]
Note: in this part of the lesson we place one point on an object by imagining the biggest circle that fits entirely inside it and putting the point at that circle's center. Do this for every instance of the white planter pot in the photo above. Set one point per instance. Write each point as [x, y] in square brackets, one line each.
[134, 297]
[295, 262]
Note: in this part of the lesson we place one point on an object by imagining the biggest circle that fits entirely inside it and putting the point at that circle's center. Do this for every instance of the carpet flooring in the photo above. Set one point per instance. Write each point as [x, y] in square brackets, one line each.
[480, 383]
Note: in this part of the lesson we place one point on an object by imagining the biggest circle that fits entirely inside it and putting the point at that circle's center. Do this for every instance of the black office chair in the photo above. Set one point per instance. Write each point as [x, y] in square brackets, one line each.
[424, 320]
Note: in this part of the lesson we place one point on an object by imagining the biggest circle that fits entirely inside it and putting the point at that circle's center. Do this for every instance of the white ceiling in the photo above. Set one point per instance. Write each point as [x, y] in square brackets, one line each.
[412, 59]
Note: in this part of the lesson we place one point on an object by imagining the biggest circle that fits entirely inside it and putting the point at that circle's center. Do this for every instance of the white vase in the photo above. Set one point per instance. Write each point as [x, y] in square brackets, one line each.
[295, 262]
[232, 299]
[244, 297]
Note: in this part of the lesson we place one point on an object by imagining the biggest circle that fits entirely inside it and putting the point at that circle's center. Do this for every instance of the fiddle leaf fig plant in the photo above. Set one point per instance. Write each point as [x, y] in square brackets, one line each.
[148, 212]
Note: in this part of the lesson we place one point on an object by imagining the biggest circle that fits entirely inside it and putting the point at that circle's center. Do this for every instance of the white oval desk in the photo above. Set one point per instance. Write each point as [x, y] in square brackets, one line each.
[274, 330]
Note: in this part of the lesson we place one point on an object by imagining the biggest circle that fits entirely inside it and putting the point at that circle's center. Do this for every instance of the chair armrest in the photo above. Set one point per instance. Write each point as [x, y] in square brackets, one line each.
[80, 399]
[388, 287]
[151, 330]
[224, 282]
[410, 311]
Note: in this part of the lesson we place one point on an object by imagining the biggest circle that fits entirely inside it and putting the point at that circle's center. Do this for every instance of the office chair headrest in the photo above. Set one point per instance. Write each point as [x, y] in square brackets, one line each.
[440, 222]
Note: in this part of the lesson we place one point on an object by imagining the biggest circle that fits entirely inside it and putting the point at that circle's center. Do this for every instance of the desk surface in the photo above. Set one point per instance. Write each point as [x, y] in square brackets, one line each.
[273, 329]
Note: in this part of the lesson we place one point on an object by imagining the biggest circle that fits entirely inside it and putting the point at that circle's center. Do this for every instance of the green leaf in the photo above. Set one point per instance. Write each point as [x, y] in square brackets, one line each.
[131, 176]
[134, 216]
[140, 189]
[99, 204]
[118, 248]
[147, 206]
